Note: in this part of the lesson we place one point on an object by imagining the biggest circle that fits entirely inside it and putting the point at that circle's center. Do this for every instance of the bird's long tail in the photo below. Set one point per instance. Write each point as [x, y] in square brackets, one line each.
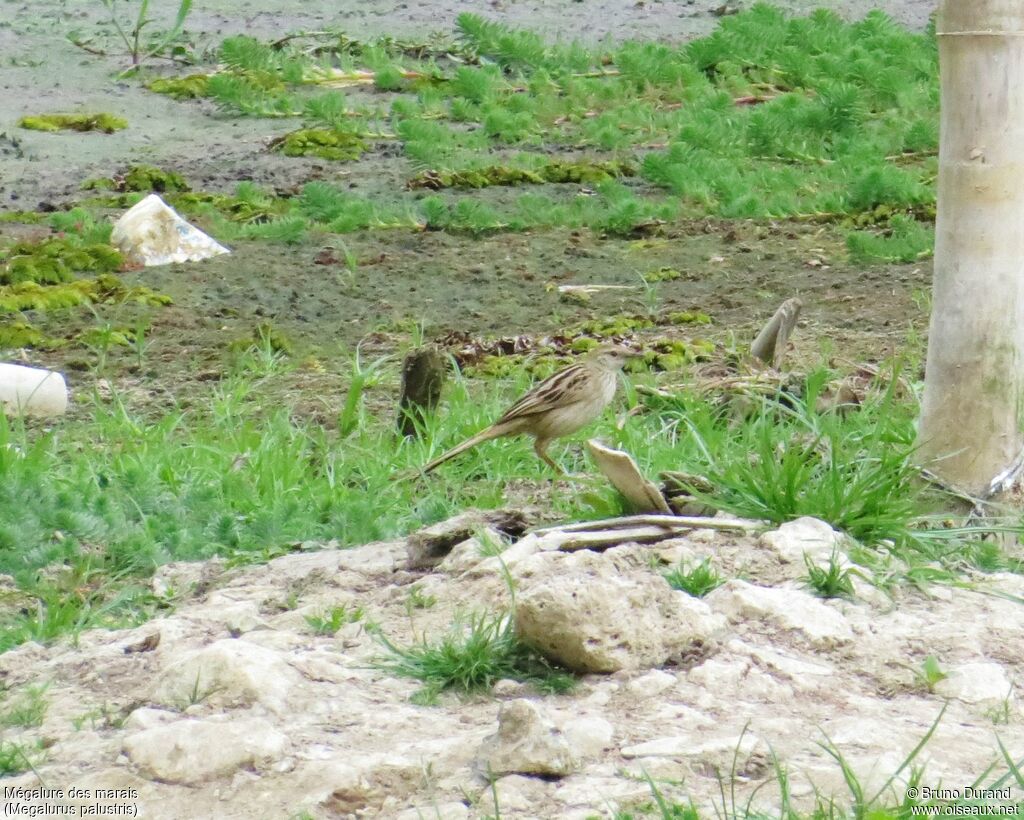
[484, 435]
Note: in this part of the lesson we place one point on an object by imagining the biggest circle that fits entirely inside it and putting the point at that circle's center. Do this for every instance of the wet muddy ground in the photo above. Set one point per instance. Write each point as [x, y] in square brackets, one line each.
[496, 285]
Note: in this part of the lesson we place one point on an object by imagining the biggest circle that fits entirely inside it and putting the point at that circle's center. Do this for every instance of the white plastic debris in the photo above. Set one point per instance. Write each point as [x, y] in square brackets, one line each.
[151, 233]
[32, 391]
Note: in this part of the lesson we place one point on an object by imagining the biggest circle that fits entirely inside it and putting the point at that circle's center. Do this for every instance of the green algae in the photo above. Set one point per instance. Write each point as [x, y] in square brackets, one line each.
[623, 325]
[19, 334]
[189, 87]
[689, 317]
[140, 178]
[107, 123]
[53, 260]
[663, 274]
[554, 171]
[23, 217]
[103, 289]
[325, 143]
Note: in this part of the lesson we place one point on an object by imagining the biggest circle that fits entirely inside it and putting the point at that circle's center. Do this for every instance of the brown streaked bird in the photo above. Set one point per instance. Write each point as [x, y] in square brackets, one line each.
[558, 406]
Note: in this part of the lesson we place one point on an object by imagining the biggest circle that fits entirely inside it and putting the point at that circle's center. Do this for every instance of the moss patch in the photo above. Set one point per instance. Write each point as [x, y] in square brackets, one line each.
[18, 334]
[556, 171]
[689, 317]
[144, 178]
[673, 354]
[540, 366]
[623, 325]
[325, 143]
[107, 123]
[23, 217]
[104, 289]
[662, 275]
[182, 88]
[52, 261]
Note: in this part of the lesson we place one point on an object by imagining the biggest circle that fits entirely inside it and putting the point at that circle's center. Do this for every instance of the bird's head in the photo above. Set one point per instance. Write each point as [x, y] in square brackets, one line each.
[612, 356]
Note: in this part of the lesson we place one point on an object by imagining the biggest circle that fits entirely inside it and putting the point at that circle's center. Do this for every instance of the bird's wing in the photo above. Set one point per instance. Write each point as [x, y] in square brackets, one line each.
[565, 387]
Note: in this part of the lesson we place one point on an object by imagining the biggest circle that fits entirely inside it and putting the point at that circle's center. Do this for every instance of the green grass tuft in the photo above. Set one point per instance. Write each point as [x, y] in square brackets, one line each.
[831, 581]
[787, 460]
[475, 654]
[697, 580]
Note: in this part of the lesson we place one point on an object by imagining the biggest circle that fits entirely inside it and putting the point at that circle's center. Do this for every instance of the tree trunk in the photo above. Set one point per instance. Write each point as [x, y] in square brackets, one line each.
[971, 421]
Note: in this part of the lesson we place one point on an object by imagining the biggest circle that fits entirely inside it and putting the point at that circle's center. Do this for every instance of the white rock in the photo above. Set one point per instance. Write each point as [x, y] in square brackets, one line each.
[507, 688]
[596, 794]
[529, 544]
[601, 693]
[588, 736]
[194, 751]
[452, 810]
[1008, 582]
[238, 617]
[228, 673]
[789, 665]
[526, 743]
[600, 612]
[32, 391]
[809, 536]
[740, 679]
[789, 609]
[357, 783]
[653, 683]
[467, 554]
[146, 718]
[674, 551]
[688, 746]
[377, 558]
[701, 618]
[516, 793]
[151, 233]
[426, 548]
[183, 577]
[981, 683]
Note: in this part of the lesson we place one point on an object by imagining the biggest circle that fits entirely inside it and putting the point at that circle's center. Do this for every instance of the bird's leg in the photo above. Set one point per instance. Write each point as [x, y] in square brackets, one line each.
[540, 447]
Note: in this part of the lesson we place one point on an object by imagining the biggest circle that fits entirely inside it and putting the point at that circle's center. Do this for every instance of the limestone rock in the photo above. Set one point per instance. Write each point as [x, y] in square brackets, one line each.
[599, 612]
[588, 736]
[526, 743]
[689, 746]
[238, 617]
[981, 683]
[467, 554]
[449, 811]
[653, 683]
[369, 782]
[506, 688]
[194, 751]
[228, 673]
[146, 718]
[529, 544]
[810, 536]
[516, 795]
[188, 577]
[428, 547]
[327, 561]
[789, 609]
